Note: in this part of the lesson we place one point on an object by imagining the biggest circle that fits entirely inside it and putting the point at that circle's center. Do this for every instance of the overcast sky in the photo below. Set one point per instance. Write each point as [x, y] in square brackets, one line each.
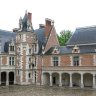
[67, 14]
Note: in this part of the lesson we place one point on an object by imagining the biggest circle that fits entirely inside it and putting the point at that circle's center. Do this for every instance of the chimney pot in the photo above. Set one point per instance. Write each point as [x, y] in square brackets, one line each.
[41, 25]
[49, 21]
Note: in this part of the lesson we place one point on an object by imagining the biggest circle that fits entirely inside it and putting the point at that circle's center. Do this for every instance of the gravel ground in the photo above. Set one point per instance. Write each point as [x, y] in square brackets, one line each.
[30, 90]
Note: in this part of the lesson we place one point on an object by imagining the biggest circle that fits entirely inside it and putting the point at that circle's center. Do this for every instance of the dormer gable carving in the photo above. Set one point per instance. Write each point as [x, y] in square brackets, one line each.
[75, 49]
[56, 50]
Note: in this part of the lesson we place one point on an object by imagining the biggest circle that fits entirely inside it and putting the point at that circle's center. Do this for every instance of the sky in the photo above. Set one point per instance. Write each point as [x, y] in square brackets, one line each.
[67, 14]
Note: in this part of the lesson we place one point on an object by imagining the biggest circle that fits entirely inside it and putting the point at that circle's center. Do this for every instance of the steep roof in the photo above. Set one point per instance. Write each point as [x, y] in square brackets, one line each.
[5, 37]
[68, 50]
[41, 37]
[84, 38]
[85, 35]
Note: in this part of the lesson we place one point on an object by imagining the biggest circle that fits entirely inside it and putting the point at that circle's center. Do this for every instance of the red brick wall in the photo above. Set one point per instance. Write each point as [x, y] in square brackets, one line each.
[4, 60]
[87, 60]
[65, 60]
[46, 60]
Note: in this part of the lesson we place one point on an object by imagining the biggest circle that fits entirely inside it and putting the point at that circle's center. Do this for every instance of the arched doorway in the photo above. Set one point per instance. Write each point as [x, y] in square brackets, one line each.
[55, 79]
[3, 78]
[76, 79]
[88, 79]
[65, 79]
[46, 77]
[11, 78]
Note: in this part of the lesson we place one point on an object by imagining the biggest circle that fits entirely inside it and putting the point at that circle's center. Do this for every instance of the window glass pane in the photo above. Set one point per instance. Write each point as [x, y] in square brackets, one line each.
[9, 62]
[55, 61]
[10, 58]
[76, 61]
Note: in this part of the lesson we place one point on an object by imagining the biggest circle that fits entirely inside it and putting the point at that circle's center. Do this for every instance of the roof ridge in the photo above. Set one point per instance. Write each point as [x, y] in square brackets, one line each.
[86, 27]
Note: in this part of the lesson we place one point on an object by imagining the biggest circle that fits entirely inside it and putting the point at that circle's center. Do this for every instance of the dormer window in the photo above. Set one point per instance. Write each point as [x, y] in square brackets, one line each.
[11, 48]
[75, 49]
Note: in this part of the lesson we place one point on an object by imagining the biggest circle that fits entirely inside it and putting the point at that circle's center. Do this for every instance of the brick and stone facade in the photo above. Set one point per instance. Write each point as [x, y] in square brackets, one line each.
[29, 56]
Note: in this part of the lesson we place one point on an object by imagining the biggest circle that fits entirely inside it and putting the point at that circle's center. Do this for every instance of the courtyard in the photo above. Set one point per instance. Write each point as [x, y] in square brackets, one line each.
[32, 90]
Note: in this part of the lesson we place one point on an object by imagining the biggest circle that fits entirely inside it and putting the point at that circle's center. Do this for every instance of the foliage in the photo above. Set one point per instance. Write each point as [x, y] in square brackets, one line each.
[64, 37]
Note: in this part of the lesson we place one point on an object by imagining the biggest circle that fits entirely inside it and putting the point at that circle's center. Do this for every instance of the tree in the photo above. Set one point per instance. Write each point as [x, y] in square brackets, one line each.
[64, 37]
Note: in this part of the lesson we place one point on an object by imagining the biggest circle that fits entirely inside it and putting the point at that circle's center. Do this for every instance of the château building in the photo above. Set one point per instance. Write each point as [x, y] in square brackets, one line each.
[34, 56]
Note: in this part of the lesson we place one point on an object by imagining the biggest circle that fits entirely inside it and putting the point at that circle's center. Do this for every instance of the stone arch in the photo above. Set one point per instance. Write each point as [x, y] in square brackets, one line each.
[55, 78]
[88, 79]
[11, 78]
[3, 78]
[65, 79]
[76, 79]
[46, 78]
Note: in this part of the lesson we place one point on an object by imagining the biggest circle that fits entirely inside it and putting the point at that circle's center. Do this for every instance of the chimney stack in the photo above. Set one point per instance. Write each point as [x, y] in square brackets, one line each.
[29, 16]
[48, 26]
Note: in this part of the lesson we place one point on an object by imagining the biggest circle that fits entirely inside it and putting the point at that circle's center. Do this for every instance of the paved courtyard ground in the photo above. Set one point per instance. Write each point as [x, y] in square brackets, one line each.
[31, 90]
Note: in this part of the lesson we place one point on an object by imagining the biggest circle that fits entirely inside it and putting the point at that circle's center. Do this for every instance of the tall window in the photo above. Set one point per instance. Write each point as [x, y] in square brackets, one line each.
[35, 76]
[76, 60]
[55, 61]
[11, 60]
[29, 51]
[29, 75]
[11, 48]
[35, 62]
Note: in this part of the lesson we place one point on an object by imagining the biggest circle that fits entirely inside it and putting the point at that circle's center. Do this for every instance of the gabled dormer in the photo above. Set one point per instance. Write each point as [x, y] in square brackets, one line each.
[75, 49]
[12, 46]
[56, 50]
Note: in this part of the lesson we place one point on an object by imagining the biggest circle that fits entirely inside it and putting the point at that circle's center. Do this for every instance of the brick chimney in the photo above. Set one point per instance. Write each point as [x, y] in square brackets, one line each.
[29, 16]
[48, 26]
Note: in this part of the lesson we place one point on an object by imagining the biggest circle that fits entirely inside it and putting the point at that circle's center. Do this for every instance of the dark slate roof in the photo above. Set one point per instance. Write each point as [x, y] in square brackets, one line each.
[62, 49]
[68, 50]
[41, 37]
[5, 37]
[24, 21]
[83, 36]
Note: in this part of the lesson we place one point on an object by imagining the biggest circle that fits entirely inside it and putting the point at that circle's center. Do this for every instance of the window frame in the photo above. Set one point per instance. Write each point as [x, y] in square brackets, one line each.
[12, 48]
[11, 60]
[76, 60]
[55, 62]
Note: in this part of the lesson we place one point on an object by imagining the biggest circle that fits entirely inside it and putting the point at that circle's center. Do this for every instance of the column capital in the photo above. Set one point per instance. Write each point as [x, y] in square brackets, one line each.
[60, 73]
[50, 73]
[82, 74]
[70, 74]
[94, 75]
